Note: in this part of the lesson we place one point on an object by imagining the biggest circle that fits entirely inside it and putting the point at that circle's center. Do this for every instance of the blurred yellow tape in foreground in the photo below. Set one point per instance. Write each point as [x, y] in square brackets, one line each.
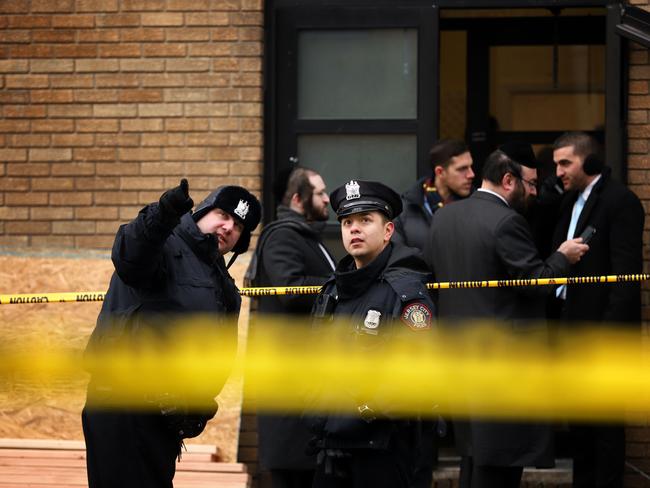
[482, 369]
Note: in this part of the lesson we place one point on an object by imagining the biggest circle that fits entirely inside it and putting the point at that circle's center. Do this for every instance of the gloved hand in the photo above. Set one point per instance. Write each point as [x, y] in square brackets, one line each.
[177, 201]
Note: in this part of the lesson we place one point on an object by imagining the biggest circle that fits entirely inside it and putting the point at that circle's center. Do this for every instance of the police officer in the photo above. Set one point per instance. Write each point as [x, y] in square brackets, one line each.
[379, 290]
[168, 263]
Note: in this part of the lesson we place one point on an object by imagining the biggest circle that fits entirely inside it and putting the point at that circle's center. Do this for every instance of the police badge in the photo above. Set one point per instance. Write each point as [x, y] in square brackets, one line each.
[352, 190]
[242, 209]
[372, 319]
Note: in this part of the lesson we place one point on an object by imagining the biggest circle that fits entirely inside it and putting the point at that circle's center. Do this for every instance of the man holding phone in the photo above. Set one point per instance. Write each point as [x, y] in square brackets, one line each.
[603, 210]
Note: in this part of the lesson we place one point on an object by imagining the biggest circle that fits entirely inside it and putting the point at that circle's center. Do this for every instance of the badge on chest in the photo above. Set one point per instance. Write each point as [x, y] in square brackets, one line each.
[371, 322]
[417, 316]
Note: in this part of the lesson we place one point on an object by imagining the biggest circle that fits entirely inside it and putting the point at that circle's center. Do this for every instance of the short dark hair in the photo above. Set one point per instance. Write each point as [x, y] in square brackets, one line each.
[442, 151]
[583, 144]
[497, 165]
[298, 182]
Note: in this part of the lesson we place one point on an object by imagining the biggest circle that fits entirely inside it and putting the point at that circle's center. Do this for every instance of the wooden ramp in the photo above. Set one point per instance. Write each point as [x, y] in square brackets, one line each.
[51, 464]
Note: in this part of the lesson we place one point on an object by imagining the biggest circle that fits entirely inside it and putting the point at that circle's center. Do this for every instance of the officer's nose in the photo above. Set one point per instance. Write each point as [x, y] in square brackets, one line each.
[228, 225]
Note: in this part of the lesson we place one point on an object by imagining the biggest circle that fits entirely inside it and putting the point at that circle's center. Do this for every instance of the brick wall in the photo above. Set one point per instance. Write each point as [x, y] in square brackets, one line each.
[106, 103]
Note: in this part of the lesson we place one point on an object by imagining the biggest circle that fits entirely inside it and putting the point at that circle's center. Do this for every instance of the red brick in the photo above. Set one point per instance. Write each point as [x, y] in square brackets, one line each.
[115, 110]
[13, 155]
[28, 140]
[150, 50]
[247, 49]
[186, 125]
[96, 65]
[96, 213]
[251, 33]
[14, 241]
[28, 227]
[639, 131]
[50, 241]
[188, 34]
[45, 184]
[98, 183]
[73, 227]
[13, 213]
[184, 154]
[54, 6]
[206, 109]
[29, 198]
[637, 146]
[72, 81]
[166, 168]
[246, 109]
[187, 95]
[117, 168]
[250, 64]
[50, 154]
[72, 169]
[59, 125]
[139, 154]
[141, 183]
[637, 116]
[14, 35]
[71, 198]
[210, 18]
[97, 5]
[74, 21]
[57, 36]
[162, 19]
[116, 198]
[246, 139]
[95, 154]
[26, 81]
[187, 5]
[50, 96]
[118, 20]
[24, 111]
[70, 110]
[14, 66]
[224, 124]
[225, 64]
[639, 57]
[205, 168]
[75, 51]
[73, 140]
[212, 49]
[140, 96]
[247, 18]
[138, 5]
[148, 34]
[160, 110]
[121, 80]
[14, 7]
[14, 184]
[252, 123]
[15, 125]
[95, 96]
[250, 154]
[142, 65]
[122, 50]
[112, 140]
[206, 139]
[31, 51]
[141, 125]
[223, 154]
[103, 35]
[252, 94]
[97, 125]
[109, 228]
[163, 80]
[247, 79]
[94, 242]
[52, 65]
[162, 139]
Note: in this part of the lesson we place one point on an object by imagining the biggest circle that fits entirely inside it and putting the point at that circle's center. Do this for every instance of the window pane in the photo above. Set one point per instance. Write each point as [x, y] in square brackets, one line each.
[390, 159]
[527, 95]
[357, 74]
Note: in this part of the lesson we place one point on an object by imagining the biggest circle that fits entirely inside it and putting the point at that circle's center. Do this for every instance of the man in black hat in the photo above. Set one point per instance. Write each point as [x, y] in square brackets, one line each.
[492, 241]
[379, 290]
[169, 264]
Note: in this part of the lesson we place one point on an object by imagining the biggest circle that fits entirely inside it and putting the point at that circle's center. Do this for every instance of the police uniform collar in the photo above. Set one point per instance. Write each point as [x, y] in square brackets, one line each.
[352, 282]
[205, 246]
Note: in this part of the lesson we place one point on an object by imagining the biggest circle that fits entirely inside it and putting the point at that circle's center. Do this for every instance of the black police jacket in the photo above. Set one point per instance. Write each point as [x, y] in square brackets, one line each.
[382, 301]
[165, 269]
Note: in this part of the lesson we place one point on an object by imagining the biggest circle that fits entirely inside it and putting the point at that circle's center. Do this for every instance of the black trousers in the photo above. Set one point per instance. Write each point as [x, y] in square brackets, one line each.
[365, 468]
[473, 476]
[128, 450]
[598, 455]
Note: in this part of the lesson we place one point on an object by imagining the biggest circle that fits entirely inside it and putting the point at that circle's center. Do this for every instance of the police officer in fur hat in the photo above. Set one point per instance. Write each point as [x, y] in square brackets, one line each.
[169, 263]
[379, 289]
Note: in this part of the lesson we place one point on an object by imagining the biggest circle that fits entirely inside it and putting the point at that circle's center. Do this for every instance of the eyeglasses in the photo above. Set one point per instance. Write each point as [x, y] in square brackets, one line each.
[530, 183]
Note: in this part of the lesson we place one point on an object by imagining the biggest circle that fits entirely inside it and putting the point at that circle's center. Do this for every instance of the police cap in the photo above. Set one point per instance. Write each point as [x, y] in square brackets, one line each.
[358, 196]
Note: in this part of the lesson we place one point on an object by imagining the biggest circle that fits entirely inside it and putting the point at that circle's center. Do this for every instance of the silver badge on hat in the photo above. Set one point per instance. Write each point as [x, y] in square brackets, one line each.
[372, 319]
[352, 190]
[242, 209]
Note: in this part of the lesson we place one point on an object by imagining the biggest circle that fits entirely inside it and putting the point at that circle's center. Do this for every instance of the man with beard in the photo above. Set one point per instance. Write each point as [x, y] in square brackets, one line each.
[290, 253]
[451, 180]
[485, 237]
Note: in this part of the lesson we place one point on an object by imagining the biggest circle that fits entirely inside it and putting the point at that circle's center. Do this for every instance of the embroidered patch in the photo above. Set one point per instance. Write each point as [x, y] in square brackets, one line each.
[242, 209]
[417, 316]
[372, 319]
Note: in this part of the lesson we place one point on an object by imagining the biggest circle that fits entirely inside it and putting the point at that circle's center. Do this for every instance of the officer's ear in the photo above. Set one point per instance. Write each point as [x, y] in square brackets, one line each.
[389, 229]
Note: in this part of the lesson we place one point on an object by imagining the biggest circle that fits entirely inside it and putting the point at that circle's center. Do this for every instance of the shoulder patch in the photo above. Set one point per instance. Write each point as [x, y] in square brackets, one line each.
[417, 316]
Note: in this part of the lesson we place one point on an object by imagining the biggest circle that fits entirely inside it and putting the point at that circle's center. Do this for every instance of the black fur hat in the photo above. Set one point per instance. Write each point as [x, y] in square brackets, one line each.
[239, 203]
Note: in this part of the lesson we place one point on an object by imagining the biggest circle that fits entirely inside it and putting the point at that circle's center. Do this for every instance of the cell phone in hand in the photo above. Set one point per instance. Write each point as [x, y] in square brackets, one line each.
[587, 234]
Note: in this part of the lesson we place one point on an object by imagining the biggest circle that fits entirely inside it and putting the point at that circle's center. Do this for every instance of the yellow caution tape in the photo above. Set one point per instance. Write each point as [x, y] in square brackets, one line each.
[311, 290]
